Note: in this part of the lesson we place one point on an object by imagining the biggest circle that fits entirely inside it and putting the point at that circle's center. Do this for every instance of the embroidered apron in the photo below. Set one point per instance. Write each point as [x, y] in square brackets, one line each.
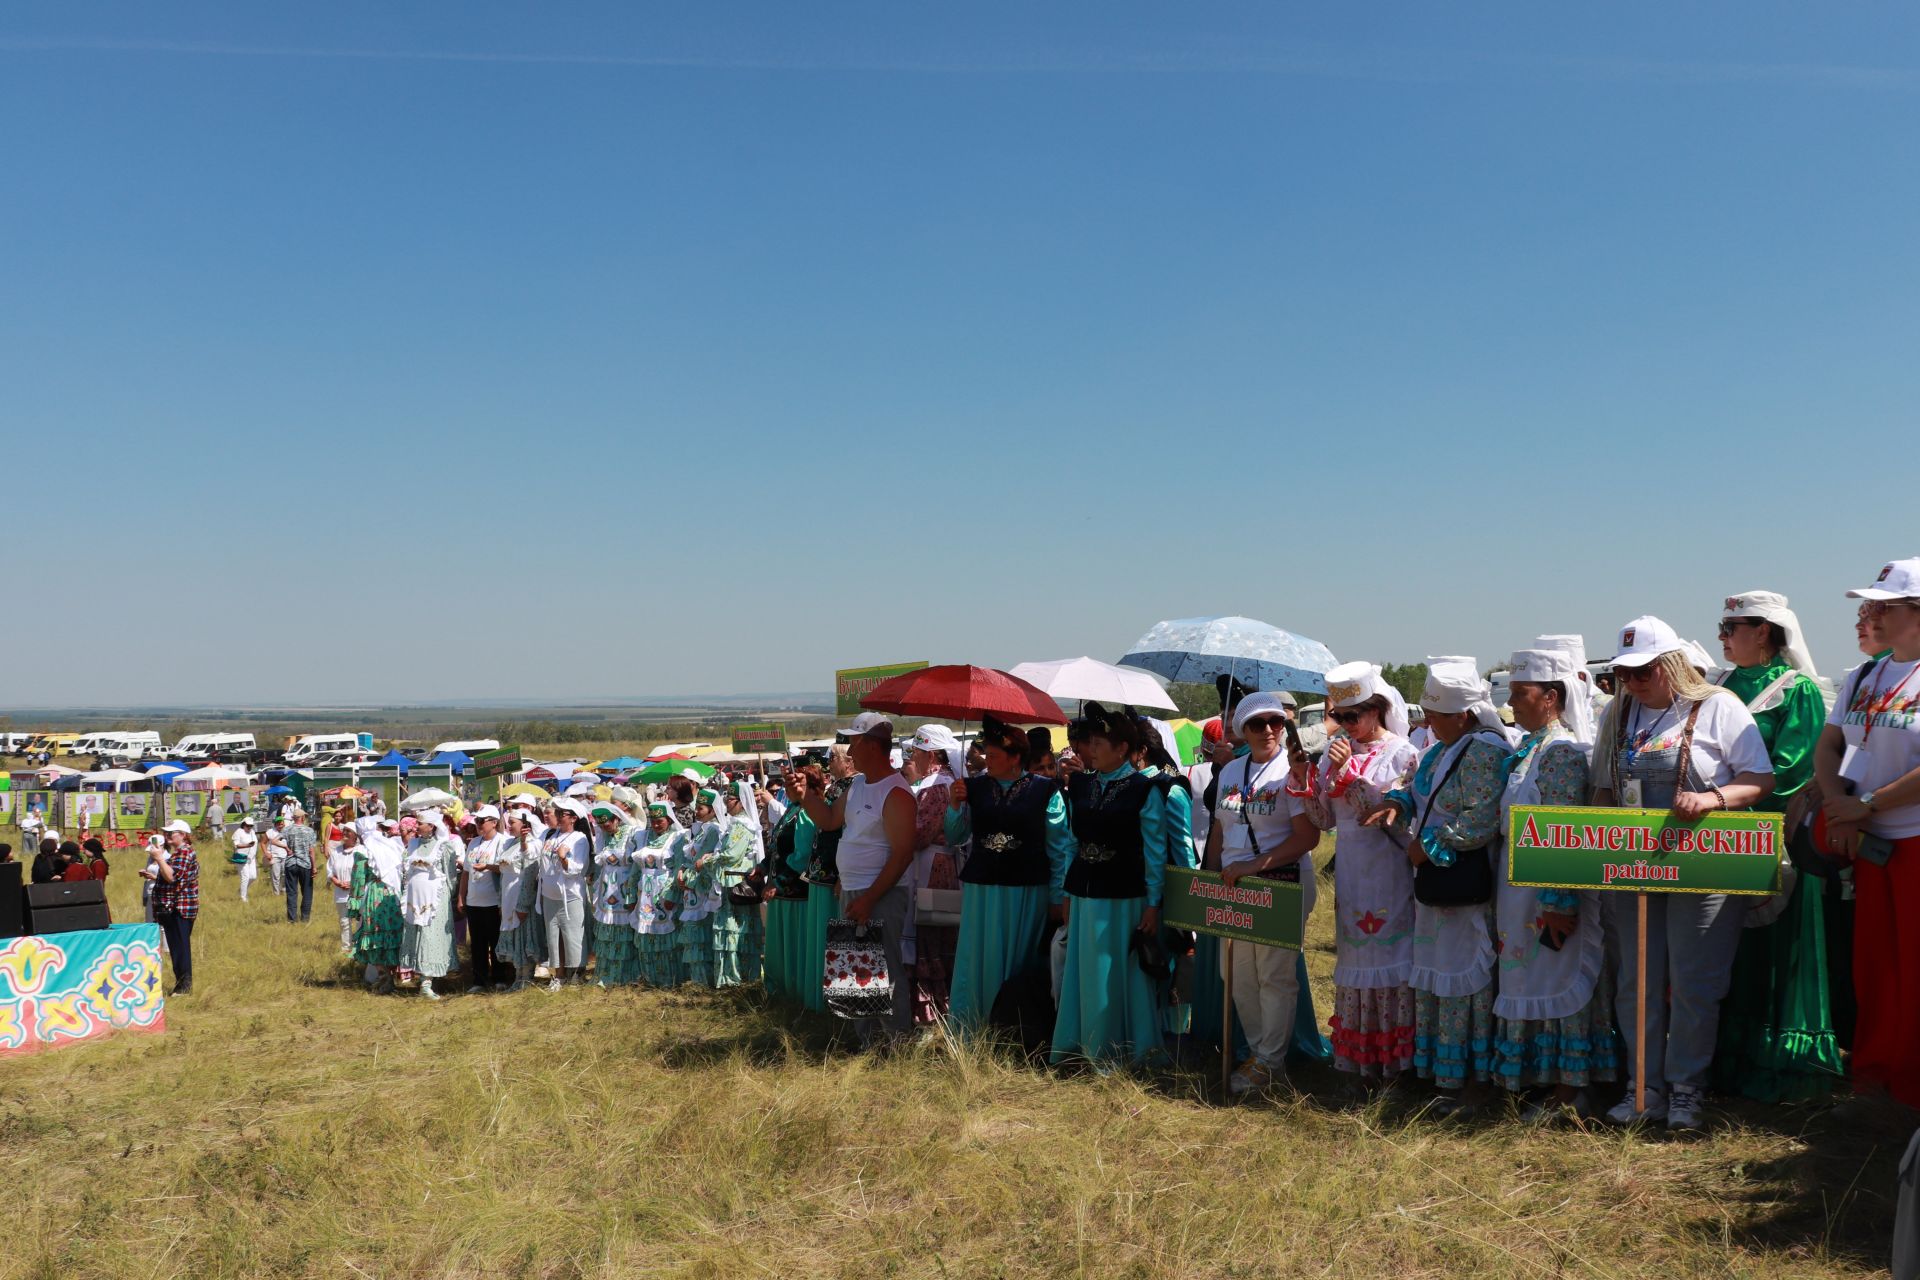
[1536, 982]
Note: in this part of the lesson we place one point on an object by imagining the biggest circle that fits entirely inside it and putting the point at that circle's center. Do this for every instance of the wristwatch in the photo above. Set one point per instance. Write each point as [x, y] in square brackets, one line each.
[1867, 798]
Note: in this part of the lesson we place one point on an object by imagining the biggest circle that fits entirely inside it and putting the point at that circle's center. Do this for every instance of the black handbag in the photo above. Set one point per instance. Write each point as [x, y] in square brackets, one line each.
[1466, 883]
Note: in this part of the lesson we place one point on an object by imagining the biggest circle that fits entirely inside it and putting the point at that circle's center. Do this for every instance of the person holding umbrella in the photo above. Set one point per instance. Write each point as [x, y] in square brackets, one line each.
[1109, 1008]
[1017, 823]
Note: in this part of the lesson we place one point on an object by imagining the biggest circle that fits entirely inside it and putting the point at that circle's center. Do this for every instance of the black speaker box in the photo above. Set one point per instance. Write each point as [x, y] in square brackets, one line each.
[66, 906]
[13, 903]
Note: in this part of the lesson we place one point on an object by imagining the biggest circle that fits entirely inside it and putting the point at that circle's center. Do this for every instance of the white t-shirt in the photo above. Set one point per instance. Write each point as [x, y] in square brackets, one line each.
[1892, 749]
[1726, 741]
[1265, 803]
[276, 843]
[243, 841]
[483, 887]
[339, 867]
[864, 848]
[563, 871]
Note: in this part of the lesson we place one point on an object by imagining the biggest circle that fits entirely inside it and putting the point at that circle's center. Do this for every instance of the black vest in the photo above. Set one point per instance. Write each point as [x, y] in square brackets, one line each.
[1009, 831]
[1111, 862]
[786, 881]
[824, 869]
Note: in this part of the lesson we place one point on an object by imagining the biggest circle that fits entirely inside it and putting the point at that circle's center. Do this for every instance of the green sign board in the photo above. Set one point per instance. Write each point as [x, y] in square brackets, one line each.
[1645, 850]
[1269, 912]
[494, 764]
[759, 739]
[855, 683]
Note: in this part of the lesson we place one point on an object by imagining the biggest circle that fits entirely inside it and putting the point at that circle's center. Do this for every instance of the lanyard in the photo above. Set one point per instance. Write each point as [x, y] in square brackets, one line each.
[1637, 742]
[1878, 702]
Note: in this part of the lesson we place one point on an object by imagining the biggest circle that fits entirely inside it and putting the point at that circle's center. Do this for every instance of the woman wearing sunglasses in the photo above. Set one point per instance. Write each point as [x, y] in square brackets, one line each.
[1776, 1033]
[1672, 741]
[1868, 763]
[1366, 757]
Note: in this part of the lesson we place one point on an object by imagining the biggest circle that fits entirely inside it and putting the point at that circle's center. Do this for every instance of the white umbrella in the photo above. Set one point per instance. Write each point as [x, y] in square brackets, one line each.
[114, 775]
[431, 798]
[1090, 680]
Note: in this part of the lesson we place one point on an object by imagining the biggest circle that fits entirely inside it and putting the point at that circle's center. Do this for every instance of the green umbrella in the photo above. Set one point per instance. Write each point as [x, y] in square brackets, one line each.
[662, 770]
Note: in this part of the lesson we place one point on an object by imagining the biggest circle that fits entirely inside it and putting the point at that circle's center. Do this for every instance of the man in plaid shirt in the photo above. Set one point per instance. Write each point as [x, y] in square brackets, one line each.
[175, 873]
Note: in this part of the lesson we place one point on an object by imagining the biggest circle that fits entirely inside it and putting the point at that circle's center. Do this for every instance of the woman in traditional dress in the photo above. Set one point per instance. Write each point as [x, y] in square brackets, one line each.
[1670, 740]
[433, 870]
[1869, 768]
[934, 760]
[564, 855]
[1368, 754]
[1449, 809]
[1262, 830]
[792, 962]
[1553, 1016]
[616, 948]
[523, 936]
[1777, 1041]
[656, 904]
[698, 865]
[1158, 757]
[1109, 1008]
[375, 900]
[1015, 824]
[739, 937]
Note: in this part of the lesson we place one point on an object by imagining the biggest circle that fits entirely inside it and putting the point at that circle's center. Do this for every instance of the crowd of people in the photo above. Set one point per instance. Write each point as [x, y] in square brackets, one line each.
[1444, 971]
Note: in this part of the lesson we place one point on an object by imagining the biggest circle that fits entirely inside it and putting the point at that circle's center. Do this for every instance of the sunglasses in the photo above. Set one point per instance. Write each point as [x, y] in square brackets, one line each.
[1263, 724]
[1634, 673]
[1727, 628]
[1348, 717]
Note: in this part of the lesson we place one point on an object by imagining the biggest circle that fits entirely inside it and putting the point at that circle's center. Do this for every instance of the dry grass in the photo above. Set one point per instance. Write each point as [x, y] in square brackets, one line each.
[290, 1124]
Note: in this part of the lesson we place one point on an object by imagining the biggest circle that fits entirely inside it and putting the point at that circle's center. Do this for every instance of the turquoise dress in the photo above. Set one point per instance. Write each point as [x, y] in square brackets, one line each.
[790, 958]
[1109, 1008]
[656, 912]
[616, 947]
[738, 936]
[698, 866]
[1000, 924]
[1177, 1018]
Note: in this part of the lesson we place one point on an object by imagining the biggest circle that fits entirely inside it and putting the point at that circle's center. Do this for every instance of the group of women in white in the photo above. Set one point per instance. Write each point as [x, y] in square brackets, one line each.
[1444, 970]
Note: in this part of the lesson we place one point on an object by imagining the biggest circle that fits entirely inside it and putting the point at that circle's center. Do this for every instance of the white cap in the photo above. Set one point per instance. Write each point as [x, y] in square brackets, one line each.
[1900, 580]
[177, 825]
[485, 811]
[247, 821]
[1254, 704]
[1644, 639]
[1352, 683]
[521, 799]
[571, 806]
[934, 737]
[1453, 686]
[1287, 699]
[868, 723]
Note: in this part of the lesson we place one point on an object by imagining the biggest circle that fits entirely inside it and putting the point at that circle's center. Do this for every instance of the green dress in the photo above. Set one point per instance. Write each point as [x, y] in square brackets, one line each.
[790, 958]
[376, 912]
[616, 947]
[1777, 1040]
[738, 935]
[697, 862]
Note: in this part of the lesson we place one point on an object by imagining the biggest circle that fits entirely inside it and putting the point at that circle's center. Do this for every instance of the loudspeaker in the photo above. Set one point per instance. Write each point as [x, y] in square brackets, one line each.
[13, 906]
[66, 906]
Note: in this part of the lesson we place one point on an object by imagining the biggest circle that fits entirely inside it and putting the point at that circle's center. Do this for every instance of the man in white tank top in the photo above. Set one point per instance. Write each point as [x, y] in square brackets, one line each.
[875, 817]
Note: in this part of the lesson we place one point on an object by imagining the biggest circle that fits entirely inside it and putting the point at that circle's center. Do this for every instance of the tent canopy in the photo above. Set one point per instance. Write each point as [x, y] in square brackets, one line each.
[460, 760]
[394, 760]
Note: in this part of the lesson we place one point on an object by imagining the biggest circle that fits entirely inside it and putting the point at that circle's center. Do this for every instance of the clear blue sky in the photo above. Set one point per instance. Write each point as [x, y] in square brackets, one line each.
[979, 332]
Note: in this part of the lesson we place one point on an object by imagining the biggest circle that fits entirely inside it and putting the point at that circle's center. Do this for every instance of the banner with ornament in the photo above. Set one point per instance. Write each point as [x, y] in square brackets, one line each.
[58, 988]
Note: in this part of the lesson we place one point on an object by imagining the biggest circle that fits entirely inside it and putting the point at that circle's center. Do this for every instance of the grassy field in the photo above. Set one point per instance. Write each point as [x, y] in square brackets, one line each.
[288, 1123]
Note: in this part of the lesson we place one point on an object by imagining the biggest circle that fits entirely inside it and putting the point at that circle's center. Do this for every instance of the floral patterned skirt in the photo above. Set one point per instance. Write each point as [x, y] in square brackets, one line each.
[1373, 1030]
[377, 939]
[1453, 1037]
[935, 947]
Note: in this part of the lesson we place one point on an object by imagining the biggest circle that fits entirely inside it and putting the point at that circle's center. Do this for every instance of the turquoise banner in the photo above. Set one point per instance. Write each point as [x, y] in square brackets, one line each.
[59, 988]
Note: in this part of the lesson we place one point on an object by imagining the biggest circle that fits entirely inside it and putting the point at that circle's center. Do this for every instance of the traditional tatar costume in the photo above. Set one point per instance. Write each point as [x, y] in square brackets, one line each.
[615, 944]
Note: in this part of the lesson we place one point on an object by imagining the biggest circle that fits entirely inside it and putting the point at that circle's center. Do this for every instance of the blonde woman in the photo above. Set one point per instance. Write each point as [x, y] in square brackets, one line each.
[1670, 740]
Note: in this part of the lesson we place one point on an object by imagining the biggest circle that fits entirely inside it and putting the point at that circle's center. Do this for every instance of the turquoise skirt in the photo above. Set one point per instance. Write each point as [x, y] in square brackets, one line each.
[823, 904]
[1000, 928]
[1109, 1010]
[787, 951]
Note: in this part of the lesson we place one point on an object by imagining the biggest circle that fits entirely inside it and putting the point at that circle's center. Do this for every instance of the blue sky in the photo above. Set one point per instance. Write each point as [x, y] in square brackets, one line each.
[970, 333]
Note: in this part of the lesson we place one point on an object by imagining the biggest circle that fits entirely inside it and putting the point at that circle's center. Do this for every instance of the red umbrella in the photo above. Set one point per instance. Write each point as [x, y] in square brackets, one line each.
[964, 693]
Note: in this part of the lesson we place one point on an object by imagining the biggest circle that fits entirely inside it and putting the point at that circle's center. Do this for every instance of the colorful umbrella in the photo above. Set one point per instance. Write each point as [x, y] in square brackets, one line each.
[959, 692]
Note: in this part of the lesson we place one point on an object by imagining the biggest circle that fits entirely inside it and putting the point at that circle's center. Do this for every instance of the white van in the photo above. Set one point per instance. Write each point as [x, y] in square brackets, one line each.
[117, 744]
[304, 749]
[471, 747]
[197, 746]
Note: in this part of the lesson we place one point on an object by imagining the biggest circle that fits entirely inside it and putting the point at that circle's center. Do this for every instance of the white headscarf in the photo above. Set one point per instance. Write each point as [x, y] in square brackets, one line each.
[1545, 666]
[1454, 686]
[1772, 606]
[1352, 683]
[750, 815]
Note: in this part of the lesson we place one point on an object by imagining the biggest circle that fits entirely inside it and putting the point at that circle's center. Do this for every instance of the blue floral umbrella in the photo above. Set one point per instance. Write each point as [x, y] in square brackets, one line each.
[1200, 650]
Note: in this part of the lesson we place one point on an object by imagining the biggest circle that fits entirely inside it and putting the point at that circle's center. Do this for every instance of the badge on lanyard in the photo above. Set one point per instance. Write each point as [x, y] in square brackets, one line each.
[1630, 793]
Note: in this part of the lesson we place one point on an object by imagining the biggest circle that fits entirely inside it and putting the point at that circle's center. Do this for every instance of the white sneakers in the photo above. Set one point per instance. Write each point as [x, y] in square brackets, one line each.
[1623, 1112]
[553, 984]
[426, 989]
